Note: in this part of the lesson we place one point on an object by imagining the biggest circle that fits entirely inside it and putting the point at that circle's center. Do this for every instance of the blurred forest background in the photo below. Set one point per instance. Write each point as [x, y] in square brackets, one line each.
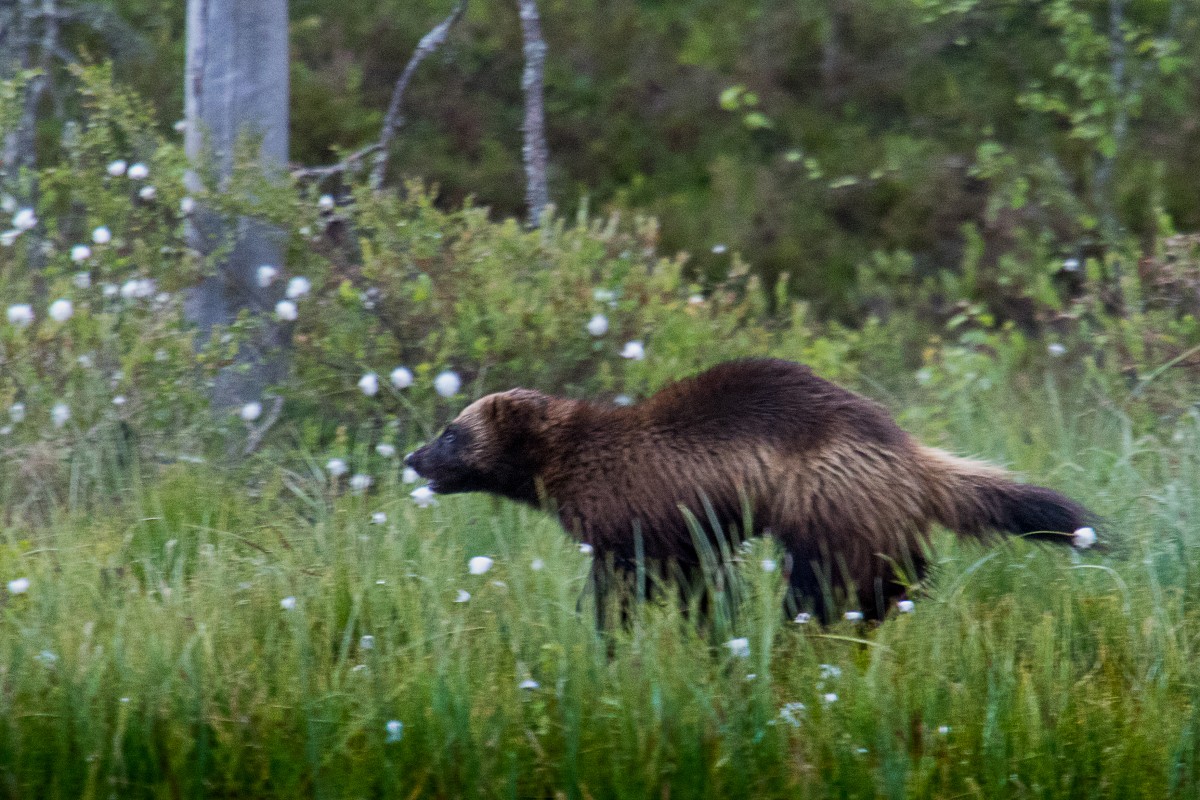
[855, 146]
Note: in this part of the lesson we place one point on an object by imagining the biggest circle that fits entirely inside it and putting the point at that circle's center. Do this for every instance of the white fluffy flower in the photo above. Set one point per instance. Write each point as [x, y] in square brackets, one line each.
[379, 518]
[286, 310]
[1084, 538]
[16, 412]
[367, 642]
[1071, 264]
[9, 238]
[719, 249]
[395, 730]
[598, 325]
[20, 314]
[24, 219]
[529, 684]
[386, 450]
[479, 565]
[117, 168]
[325, 203]
[739, 647]
[410, 475]
[265, 275]
[537, 565]
[791, 713]
[1056, 349]
[80, 252]
[586, 549]
[361, 482]
[180, 125]
[60, 414]
[401, 377]
[634, 350]
[854, 616]
[137, 288]
[251, 412]
[905, 606]
[61, 310]
[110, 290]
[829, 697]
[623, 400]
[423, 496]
[336, 467]
[447, 384]
[139, 172]
[287, 603]
[102, 235]
[298, 287]
[369, 384]
[148, 193]
[119, 400]
[18, 586]
[82, 280]
[187, 205]
[943, 729]
[769, 565]
[462, 596]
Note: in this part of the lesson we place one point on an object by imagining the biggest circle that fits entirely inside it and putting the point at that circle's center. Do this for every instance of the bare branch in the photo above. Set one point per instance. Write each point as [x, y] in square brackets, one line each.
[346, 164]
[429, 43]
[537, 195]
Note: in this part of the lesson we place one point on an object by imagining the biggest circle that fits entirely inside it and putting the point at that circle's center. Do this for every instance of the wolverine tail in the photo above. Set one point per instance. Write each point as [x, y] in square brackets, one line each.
[971, 497]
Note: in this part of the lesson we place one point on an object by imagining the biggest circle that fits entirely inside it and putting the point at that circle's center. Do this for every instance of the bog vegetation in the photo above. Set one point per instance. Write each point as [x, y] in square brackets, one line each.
[257, 604]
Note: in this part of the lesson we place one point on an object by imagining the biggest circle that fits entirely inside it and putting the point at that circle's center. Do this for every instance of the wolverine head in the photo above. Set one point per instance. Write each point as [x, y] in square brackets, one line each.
[494, 446]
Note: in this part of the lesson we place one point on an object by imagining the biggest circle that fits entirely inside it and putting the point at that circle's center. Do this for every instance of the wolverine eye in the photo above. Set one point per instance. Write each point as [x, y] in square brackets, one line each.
[449, 435]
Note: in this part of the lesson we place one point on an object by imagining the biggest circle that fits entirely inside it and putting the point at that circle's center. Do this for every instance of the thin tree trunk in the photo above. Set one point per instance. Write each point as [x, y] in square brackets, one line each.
[237, 85]
[537, 195]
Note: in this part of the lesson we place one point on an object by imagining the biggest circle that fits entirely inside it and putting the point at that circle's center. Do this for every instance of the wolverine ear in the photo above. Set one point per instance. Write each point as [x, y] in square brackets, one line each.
[525, 408]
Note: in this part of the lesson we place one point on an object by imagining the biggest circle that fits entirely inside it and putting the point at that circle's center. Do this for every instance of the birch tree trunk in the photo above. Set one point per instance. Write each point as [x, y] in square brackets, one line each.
[236, 86]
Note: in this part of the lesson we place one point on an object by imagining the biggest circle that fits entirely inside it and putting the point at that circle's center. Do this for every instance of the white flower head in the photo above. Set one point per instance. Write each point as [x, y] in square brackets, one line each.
[117, 168]
[586, 549]
[829, 671]
[410, 475]
[325, 203]
[791, 713]
[82, 280]
[379, 518]
[102, 235]
[463, 596]
[423, 496]
[251, 411]
[18, 586]
[604, 295]
[286, 311]
[187, 205]
[148, 193]
[336, 467]
[110, 290]
[401, 377]
[59, 414]
[623, 400]
[905, 606]
[119, 400]
[719, 249]
[739, 647]
[9, 238]
[829, 697]
[20, 315]
[1071, 264]
[298, 287]
[598, 325]
[288, 603]
[24, 219]
[634, 350]
[769, 565]
[361, 482]
[139, 172]
[265, 275]
[61, 310]
[479, 565]
[447, 383]
[1084, 538]
[537, 565]
[1056, 349]
[529, 684]
[16, 412]
[367, 642]
[80, 253]
[180, 125]
[369, 384]
[395, 731]
[943, 729]
[853, 616]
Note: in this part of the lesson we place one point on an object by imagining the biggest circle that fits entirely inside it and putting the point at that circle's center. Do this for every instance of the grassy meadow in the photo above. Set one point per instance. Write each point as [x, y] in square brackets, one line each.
[265, 632]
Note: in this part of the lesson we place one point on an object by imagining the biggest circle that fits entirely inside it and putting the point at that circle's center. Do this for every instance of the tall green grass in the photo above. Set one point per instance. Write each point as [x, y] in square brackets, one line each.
[151, 655]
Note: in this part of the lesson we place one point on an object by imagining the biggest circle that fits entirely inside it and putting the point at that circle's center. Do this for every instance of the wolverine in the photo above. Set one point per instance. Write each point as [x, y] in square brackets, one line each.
[749, 447]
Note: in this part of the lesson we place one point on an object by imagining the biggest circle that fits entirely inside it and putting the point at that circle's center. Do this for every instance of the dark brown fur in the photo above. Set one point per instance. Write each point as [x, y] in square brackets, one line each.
[848, 494]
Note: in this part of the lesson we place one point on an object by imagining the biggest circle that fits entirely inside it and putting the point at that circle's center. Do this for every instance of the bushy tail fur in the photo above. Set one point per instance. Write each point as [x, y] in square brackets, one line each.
[972, 497]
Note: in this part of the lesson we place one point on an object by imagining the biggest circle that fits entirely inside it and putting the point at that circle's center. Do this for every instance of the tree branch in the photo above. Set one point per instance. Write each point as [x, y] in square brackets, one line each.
[429, 43]
[537, 196]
